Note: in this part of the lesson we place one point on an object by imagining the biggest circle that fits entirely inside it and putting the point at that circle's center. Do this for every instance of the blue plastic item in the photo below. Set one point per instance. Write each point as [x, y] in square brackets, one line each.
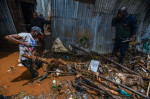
[124, 93]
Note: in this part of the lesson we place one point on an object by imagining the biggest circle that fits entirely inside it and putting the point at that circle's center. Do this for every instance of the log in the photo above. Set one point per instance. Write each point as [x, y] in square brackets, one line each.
[94, 84]
[43, 60]
[95, 89]
[83, 50]
[130, 89]
[99, 87]
[37, 58]
[115, 83]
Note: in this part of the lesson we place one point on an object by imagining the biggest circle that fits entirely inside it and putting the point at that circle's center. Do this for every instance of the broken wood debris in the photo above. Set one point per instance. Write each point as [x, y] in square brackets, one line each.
[112, 61]
[102, 82]
[106, 59]
[119, 84]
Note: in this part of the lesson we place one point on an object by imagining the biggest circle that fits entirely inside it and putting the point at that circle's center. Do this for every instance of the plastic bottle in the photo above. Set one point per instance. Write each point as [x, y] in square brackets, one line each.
[54, 83]
[85, 96]
[89, 68]
[70, 97]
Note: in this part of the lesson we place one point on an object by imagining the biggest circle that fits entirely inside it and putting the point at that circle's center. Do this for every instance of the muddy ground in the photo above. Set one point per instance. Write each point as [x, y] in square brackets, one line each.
[20, 80]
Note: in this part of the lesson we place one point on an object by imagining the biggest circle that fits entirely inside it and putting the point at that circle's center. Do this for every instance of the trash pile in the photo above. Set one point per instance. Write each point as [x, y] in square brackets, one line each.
[138, 61]
[101, 77]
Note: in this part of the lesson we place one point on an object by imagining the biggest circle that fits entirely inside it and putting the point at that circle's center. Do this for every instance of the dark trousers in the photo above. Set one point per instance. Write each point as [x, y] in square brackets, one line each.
[123, 46]
[28, 64]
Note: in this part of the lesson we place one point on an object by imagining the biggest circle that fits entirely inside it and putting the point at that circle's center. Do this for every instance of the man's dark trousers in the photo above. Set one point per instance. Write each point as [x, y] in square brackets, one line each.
[29, 65]
[123, 46]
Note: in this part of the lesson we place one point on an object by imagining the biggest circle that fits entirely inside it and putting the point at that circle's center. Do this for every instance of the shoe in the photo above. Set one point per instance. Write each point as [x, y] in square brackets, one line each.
[39, 66]
[35, 76]
[20, 64]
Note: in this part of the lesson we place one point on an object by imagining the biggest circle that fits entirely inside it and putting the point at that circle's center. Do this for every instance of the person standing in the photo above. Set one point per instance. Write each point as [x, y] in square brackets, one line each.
[26, 43]
[126, 28]
[37, 21]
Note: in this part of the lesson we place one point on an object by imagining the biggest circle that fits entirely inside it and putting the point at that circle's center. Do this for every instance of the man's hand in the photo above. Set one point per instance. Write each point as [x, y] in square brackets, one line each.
[26, 44]
[132, 38]
[115, 16]
[33, 57]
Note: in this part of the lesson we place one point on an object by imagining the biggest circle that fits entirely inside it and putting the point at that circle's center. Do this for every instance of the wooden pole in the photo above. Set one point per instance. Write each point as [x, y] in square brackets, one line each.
[148, 89]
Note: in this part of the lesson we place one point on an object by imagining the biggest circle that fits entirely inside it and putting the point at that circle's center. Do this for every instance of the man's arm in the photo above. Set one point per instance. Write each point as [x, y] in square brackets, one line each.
[113, 23]
[15, 38]
[46, 22]
[134, 27]
[33, 55]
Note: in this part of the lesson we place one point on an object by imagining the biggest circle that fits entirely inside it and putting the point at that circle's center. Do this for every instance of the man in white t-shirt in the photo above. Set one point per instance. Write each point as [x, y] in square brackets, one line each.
[26, 42]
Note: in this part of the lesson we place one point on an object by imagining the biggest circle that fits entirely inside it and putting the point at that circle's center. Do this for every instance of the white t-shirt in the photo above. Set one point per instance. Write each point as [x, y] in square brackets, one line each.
[26, 37]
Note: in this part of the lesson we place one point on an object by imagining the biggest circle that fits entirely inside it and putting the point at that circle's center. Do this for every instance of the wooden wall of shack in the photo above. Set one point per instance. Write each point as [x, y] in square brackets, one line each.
[73, 20]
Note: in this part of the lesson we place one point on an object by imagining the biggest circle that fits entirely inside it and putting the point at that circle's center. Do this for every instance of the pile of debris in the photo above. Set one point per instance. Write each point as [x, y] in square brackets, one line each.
[102, 77]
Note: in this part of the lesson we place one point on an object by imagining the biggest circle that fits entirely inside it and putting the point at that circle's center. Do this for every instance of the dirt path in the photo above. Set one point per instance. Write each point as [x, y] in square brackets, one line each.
[18, 80]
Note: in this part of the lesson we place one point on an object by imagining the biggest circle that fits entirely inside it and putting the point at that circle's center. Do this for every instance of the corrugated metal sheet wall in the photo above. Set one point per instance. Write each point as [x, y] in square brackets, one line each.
[111, 6]
[6, 22]
[73, 20]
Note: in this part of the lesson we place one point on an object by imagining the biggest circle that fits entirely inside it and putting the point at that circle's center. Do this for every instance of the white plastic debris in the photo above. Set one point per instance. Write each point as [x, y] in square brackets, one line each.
[10, 69]
[26, 97]
[58, 71]
[118, 80]
[94, 65]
